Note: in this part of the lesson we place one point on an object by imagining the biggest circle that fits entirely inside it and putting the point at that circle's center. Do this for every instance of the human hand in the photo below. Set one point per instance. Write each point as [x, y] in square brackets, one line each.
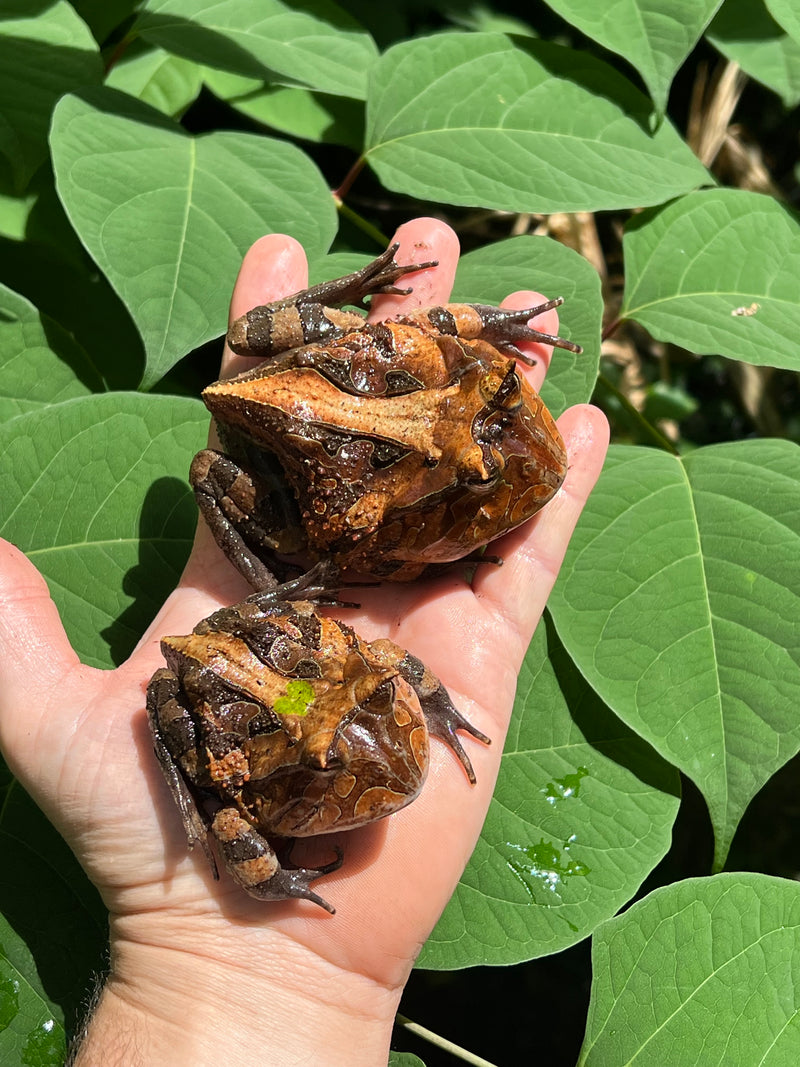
[190, 956]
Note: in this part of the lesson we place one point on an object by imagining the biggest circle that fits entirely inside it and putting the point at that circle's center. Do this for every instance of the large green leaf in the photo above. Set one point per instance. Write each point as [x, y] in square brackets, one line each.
[717, 272]
[528, 126]
[679, 602]
[95, 492]
[703, 972]
[582, 812]
[167, 217]
[42, 55]
[314, 43]
[655, 36]
[745, 32]
[39, 362]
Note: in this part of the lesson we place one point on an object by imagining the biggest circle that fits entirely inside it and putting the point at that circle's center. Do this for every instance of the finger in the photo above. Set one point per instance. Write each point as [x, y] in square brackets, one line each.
[547, 322]
[421, 240]
[33, 643]
[274, 267]
[532, 554]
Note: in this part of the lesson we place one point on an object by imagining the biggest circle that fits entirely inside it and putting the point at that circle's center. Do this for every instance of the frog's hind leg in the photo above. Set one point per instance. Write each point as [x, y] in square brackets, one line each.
[253, 864]
[312, 315]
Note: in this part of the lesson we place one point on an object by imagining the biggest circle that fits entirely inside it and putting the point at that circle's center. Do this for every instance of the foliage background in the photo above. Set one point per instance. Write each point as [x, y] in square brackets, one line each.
[640, 160]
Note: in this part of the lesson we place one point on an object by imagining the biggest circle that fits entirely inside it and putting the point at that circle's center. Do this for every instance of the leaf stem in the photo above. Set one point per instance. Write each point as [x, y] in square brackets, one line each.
[442, 1042]
[360, 222]
[349, 178]
[647, 428]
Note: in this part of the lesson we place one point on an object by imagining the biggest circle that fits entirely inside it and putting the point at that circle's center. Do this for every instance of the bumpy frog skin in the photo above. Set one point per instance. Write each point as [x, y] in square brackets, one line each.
[385, 447]
[271, 720]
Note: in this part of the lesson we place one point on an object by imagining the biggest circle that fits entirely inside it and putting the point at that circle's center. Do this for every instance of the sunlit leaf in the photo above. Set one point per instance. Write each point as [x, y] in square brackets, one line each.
[704, 971]
[655, 36]
[315, 44]
[43, 55]
[528, 126]
[582, 812]
[745, 32]
[679, 602]
[95, 492]
[152, 75]
[39, 362]
[717, 272]
[124, 170]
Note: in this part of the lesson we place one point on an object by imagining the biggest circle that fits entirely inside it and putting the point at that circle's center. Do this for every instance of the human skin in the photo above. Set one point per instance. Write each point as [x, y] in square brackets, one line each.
[200, 973]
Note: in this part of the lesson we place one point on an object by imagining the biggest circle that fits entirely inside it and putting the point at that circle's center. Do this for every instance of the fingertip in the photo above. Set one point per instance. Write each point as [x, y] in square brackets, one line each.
[274, 266]
[422, 240]
[32, 637]
[586, 434]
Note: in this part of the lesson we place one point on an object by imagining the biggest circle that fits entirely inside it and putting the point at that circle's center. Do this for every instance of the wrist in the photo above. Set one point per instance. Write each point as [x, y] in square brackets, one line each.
[281, 1008]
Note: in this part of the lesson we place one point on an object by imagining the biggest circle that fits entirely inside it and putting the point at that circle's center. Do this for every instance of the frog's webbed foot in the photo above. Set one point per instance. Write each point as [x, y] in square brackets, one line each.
[442, 717]
[253, 864]
[502, 327]
[379, 276]
[167, 715]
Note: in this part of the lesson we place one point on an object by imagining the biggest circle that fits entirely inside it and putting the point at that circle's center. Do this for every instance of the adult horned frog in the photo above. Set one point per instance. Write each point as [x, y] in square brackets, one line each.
[406, 443]
[271, 720]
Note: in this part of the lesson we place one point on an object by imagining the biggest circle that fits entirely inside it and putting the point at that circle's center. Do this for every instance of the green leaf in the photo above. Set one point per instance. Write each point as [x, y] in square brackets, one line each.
[297, 112]
[581, 814]
[152, 75]
[787, 14]
[52, 933]
[103, 16]
[745, 32]
[404, 1059]
[39, 362]
[95, 492]
[716, 272]
[489, 274]
[528, 126]
[655, 36]
[701, 972]
[679, 602]
[314, 43]
[42, 56]
[123, 171]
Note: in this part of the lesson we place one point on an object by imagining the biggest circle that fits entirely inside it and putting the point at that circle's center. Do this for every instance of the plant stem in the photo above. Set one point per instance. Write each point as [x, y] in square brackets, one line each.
[360, 222]
[349, 178]
[442, 1042]
[648, 429]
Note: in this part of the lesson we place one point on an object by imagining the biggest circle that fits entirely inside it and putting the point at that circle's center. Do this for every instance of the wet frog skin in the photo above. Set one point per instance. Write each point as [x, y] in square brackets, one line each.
[386, 447]
[272, 721]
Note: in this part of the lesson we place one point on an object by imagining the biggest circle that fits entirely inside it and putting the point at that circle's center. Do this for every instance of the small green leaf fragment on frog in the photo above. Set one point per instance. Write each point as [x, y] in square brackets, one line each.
[566, 787]
[298, 699]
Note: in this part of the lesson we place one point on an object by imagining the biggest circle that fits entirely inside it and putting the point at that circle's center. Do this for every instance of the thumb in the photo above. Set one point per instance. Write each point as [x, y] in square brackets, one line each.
[35, 653]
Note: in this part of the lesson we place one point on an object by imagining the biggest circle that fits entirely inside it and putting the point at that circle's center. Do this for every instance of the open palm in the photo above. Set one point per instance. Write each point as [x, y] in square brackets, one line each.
[82, 748]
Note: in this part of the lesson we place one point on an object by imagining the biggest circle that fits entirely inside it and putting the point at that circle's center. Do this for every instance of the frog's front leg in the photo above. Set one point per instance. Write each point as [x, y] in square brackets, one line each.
[253, 864]
[240, 512]
[311, 315]
[442, 717]
[501, 327]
